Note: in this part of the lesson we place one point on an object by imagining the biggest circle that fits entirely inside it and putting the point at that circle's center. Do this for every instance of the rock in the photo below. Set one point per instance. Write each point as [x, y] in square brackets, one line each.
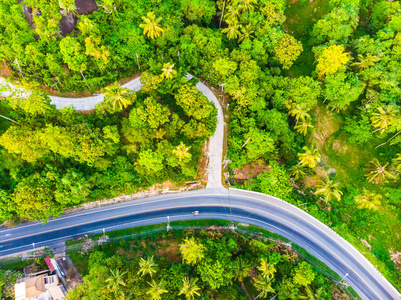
[85, 7]
[67, 24]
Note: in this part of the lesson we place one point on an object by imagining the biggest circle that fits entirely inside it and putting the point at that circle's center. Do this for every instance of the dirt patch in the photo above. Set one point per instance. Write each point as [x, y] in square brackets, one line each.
[250, 170]
[34, 268]
[169, 250]
[326, 126]
[5, 70]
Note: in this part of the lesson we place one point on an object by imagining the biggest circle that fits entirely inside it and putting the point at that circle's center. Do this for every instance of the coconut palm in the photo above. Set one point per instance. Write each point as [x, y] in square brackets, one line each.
[298, 172]
[156, 289]
[189, 288]
[151, 27]
[377, 171]
[147, 266]
[303, 127]
[241, 269]
[368, 200]
[115, 280]
[246, 32]
[168, 71]
[310, 157]
[232, 15]
[328, 189]
[363, 63]
[264, 285]
[232, 31]
[384, 117]
[267, 269]
[310, 295]
[117, 97]
[182, 152]
[397, 162]
[246, 5]
[298, 112]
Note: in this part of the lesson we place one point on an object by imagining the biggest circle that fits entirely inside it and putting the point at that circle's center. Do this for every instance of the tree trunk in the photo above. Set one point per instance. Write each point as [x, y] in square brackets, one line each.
[388, 139]
[9, 119]
[222, 13]
[245, 290]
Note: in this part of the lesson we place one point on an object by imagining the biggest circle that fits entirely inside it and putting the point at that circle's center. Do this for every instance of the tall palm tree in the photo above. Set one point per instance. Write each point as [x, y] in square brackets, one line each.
[241, 269]
[267, 269]
[182, 152]
[310, 158]
[147, 266]
[151, 27]
[328, 189]
[117, 97]
[264, 285]
[303, 127]
[384, 117]
[246, 32]
[363, 63]
[310, 295]
[168, 71]
[246, 5]
[377, 171]
[156, 289]
[189, 288]
[192, 251]
[368, 200]
[232, 31]
[397, 162]
[232, 15]
[298, 172]
[115, 280]
[298, 112]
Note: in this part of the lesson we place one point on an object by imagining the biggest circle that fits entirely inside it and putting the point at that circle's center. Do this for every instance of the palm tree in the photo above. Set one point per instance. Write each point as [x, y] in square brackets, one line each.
[303, 127]
[264, 285]
[309, 158]
[192, 251]
[151, 27]
[368, 200]
[266, 268]
[241, 269]
[246, 32]
[232, 31]
[117, 97]
[182, 152]
[310, 295]
[115, 280]
[298, 112]
[328, 189]
[156, 289]
[246, 5]
[365, 62]
[298, 172]
[147, 266]
[168, 71]
[232, 15]
[397, 162]
[377, 171]
[189, 288]
[384, 117]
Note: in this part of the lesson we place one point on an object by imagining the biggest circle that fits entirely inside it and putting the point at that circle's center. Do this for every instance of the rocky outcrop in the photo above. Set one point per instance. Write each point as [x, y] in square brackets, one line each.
[85, 7]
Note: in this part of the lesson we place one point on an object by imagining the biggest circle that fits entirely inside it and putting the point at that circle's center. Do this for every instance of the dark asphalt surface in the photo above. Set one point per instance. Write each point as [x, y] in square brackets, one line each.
[247, 207]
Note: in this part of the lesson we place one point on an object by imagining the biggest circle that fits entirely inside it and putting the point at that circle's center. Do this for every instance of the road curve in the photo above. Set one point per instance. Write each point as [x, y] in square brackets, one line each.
[252, 208]
[248, 207]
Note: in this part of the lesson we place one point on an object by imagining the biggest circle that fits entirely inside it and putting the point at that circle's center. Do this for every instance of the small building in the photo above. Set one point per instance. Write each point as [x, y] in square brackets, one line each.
[42, 287]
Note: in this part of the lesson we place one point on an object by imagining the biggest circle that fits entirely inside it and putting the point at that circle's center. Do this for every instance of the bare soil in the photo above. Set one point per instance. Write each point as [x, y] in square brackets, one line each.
[250, 170]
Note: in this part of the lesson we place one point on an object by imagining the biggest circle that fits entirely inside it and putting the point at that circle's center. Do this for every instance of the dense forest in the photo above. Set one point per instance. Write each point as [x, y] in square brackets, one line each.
[313, 87]
[199, 265]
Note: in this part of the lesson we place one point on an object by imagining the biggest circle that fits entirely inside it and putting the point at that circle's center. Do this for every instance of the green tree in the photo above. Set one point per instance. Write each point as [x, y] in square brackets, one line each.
[168, 71]
[310, 157]
[328, 189]
[241, 269]
[147, 266]
[264, 285]
[303, 274]
[298, 172]
[150, 162]
[156, 289]
[198, 10]
[194, 103]
[287, 50]
[303, 127]
[268, 270]
[189, 288]
[276, 182]
[192, 251]
[368, 200]
[397, 162]
[151, 27]
[332, 60]
[232, 31]
[116, 280]
[182, 153]
[383, 118]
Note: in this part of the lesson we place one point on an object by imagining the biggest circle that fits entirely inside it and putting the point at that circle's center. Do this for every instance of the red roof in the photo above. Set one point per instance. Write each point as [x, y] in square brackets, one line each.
[49, 264]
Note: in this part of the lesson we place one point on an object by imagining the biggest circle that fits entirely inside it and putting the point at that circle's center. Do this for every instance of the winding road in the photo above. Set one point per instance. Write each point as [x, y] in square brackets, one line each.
[213, 202]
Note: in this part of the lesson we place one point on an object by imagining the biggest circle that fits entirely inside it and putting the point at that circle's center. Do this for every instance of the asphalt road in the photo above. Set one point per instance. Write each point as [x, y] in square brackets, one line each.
[247, 207]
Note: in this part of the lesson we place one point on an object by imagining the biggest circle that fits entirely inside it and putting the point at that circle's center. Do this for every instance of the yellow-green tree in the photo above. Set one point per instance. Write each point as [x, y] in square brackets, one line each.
[377, 172]
[156, 289]
[151, 27]
[310, 157]
[189, 288]
[332, 60]
[168, 71]
[118, 98]
[287, 50]
[328, 189]
[192, 251]
[383, 118]
[268, 270]
[147, 266]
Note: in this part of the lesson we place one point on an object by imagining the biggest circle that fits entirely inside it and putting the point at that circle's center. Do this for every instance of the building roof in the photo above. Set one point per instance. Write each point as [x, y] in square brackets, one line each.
[49, 264]
[34, 286]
